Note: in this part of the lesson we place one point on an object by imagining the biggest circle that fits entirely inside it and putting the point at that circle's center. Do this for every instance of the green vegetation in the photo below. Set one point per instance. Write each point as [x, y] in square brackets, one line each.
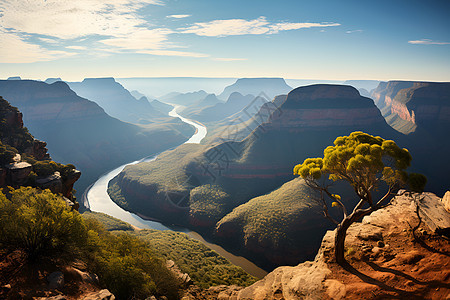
[40, 223]
[7, 154]
[127, 266]
[108, 222]
[48, 167]
[269, 218]
[365, 162]
[205, 266]
[208, 203]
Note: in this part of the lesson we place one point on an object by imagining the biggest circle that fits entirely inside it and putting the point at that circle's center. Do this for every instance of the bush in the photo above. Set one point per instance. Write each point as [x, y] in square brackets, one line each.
[7, 154]
[39, 222]
[127, 266]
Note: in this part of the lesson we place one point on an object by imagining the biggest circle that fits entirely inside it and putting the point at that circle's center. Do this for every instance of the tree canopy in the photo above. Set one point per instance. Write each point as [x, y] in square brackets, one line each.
[365, 162]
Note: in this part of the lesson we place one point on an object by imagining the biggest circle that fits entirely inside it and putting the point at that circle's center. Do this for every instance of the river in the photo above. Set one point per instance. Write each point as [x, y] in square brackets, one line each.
[99, 201]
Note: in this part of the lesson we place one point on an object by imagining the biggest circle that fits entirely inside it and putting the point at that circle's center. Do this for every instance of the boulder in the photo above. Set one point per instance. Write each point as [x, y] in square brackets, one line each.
[433, 213]
[55, 280]
[52, 182]
[446, 201]
[101, 295]
[17, 173]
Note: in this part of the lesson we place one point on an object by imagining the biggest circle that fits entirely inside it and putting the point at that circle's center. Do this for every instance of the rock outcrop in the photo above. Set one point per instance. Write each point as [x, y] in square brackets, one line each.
[395, 266]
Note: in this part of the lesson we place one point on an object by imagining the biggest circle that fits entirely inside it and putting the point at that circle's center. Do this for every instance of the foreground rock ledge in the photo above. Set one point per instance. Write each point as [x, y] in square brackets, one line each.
[388, 260]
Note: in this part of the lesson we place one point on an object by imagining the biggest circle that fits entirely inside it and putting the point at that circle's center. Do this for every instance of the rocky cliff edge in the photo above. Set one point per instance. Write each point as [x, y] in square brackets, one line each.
[393, 254]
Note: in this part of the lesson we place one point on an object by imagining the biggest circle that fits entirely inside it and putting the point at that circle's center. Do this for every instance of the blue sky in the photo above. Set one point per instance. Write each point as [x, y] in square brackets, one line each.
[335, 40]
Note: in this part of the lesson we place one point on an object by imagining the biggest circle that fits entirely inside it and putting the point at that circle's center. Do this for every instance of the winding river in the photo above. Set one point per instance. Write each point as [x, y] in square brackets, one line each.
[98, 199]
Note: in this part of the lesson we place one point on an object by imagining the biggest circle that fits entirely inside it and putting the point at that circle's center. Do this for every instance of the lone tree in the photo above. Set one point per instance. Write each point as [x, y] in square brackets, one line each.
[367, 163]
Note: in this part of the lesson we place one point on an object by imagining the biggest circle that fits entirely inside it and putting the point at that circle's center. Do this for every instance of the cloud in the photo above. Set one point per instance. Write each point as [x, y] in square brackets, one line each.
[111, 22]
[173, 53]
[354, 31]
[178, 16]
[242, 27]
[15, 49]
[229, 27]
[141, 39]
[76, 47]
[49, 41]
[228, 59]
[428, 42]
[68, 19]
[275, 28]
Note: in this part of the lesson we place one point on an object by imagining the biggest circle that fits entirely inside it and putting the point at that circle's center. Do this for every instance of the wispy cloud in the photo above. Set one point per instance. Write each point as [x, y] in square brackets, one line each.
[178, 16]
[428, 42]
[76, 47]
[141, 39]
[354, 31]
[242, 27]
[16, 49]
[228, 59]
[173, 53]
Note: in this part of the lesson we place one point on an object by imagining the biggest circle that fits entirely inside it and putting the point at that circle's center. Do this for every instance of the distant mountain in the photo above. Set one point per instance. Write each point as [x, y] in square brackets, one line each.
[367, 85]
[271, 87]
[116, 100]
[185, 99]
[239, 125]
[161, 106]
[196, 107]
[14, 78]
[78, 131]
[137, 94]
[306, 122]
[160, 86]
[221, 110]
[52, 80]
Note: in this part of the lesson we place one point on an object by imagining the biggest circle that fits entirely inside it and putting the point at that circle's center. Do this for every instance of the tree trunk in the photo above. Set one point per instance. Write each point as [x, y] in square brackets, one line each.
[339, 240]
[341, 233]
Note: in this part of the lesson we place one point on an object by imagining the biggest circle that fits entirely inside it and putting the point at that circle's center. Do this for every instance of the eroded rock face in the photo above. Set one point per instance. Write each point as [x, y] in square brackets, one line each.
[417, 103]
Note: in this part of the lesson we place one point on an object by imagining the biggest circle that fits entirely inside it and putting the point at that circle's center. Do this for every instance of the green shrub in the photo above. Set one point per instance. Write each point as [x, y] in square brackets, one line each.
[127, 266]
[39, 222]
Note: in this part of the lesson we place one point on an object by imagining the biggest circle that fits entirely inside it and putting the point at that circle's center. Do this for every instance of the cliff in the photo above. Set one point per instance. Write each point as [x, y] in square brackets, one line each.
[25, 161]
[409, 105]
[421, 110]
[393, 254]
